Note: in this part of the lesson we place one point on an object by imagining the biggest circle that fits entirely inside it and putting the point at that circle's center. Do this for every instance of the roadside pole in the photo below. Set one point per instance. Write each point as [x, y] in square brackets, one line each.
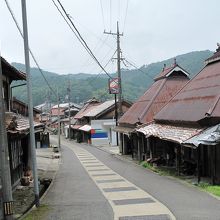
[118, 34]
[4, 158]
[116, 118]
[58, 105]
[68, 89]
[30, 104]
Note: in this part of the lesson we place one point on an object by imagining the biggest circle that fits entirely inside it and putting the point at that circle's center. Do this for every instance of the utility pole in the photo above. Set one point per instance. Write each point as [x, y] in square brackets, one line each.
[58, 105]
[68, 92]
[118, 34]
[30, 104]
[5, 174]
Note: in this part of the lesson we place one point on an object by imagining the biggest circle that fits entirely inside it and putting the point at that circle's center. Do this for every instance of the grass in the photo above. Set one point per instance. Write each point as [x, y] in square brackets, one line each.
[37, 213]
[215, 190]
[160, 170]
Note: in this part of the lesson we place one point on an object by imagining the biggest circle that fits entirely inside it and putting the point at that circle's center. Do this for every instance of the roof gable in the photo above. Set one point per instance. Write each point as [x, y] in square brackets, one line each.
[159, 93]
[174, 70]
[198, 100]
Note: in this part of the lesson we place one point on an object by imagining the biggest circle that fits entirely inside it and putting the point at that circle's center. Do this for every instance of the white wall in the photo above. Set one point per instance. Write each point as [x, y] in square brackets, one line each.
[107, 126]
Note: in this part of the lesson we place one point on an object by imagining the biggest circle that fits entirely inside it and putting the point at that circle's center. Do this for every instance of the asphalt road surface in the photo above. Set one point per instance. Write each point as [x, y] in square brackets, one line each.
[93, 184]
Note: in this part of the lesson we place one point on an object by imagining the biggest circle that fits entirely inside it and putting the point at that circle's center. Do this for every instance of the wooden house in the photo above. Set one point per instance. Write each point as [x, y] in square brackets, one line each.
[17, 126]
[165, 86]
[97, 121]
[194, 108]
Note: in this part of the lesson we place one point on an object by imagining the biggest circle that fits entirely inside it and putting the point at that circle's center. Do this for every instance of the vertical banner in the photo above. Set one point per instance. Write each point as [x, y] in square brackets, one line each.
[113, 86]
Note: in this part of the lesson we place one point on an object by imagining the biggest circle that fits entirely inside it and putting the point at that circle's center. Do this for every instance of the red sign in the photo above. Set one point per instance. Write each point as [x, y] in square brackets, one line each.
[113, 86]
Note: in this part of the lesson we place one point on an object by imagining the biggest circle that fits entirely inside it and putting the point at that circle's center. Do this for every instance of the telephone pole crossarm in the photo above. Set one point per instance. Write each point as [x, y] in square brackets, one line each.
[118, 34]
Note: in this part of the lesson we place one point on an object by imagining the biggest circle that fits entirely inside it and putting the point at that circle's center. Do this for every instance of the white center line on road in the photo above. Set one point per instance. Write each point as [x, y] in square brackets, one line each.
[128, 201]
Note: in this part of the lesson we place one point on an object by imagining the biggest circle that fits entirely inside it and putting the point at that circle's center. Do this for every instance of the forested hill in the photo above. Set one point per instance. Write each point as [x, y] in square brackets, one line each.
[86, 86]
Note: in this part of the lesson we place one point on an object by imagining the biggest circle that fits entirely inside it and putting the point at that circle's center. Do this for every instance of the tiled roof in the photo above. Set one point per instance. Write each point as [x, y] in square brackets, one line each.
[167, 132]
[18, 124]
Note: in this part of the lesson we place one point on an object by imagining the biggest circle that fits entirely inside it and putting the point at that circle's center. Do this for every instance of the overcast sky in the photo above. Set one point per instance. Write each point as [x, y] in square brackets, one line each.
[154, 30]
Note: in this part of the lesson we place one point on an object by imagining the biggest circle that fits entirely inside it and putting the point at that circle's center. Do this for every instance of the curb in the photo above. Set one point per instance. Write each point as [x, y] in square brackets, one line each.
[45, 193]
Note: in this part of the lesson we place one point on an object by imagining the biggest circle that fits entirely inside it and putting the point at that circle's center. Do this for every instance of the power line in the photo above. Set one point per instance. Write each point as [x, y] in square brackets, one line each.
[132, 64]
[103, 20]
[82, 41]
[119, 6]
[70, 25]
[110, 14]
[98, 75]
[126, 12]
[102, 60]
[105, 66]
[32, 55]
[97, 48]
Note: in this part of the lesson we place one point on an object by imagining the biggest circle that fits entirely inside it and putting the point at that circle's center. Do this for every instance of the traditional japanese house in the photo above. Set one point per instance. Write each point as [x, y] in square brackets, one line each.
[21, 108]
[63, 108]
[17, 126]
[81, 120]
[18, 143]
[165, 86]
[195, 107]
[101, 120]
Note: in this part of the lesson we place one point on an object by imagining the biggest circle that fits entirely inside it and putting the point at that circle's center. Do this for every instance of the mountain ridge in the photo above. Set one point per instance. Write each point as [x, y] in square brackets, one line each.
[85, 85]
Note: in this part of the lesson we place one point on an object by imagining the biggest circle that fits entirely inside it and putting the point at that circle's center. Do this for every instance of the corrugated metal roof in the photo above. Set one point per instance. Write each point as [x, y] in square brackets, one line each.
[153, 100]
[66, 105]
[86, 128]
[199, 99]
[168, 71]
[100, 108]
[168, 132]
[210, 136]
[86, 108]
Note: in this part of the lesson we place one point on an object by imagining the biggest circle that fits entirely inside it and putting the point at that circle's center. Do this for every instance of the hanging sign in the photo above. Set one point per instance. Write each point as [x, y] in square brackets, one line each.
[113, 86]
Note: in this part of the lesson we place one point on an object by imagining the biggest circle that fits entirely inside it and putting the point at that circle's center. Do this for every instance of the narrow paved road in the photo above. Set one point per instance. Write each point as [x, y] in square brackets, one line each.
[103, 178]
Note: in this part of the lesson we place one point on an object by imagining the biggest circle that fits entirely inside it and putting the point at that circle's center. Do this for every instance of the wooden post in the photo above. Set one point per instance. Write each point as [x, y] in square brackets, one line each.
[144, 153]
[178, 158]
[198, 163]
[213, 161]
[150, 142]
[139, 147]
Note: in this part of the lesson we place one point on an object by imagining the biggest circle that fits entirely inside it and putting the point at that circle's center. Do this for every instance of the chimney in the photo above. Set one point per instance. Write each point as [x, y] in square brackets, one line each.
[164, 66]
[218, 49]
[175, 63]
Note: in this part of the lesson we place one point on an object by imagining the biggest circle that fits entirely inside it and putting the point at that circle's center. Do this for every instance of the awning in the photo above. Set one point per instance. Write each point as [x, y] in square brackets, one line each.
[167, 132]
[124, 130]
[211, 136]
[86, 128]
[76, 127]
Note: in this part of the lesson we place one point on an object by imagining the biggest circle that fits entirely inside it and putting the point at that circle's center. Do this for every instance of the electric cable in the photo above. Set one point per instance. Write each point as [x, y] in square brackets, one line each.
[133, 65]
[85, 45]
[110, 14]
[126, 12]
[32, 55]
[103, 20]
